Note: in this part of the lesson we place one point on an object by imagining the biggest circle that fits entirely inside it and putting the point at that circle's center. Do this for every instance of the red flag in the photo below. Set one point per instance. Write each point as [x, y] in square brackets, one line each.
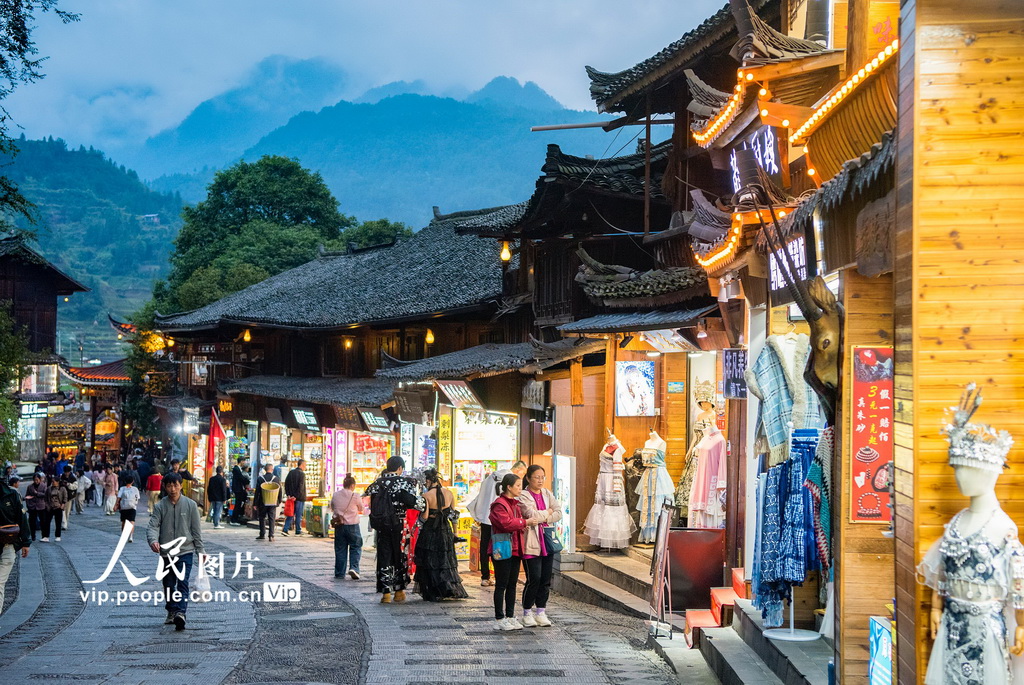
[216, 433]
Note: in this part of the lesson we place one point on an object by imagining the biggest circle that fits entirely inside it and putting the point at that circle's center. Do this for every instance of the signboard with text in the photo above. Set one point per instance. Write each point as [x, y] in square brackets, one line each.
[460, 395]
[871, 434]
[734, 365]
[376, 421]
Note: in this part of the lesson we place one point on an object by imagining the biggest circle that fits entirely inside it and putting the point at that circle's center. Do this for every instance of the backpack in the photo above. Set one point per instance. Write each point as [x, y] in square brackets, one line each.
[383, 515]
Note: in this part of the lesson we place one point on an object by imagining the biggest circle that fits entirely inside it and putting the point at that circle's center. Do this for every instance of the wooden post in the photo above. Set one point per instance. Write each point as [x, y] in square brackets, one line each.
[576, 382]
[857, 34]
[647, 169]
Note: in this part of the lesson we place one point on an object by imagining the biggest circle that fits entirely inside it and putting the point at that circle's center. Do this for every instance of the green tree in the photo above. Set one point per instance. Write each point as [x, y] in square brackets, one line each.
[378, 232]
[13, 357]
[201, 288]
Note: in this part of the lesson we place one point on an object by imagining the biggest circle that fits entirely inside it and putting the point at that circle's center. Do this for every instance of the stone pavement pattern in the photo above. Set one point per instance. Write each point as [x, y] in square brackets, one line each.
[338, 633]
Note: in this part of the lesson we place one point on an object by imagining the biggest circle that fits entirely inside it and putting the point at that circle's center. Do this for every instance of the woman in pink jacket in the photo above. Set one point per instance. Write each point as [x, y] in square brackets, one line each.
[507, 518]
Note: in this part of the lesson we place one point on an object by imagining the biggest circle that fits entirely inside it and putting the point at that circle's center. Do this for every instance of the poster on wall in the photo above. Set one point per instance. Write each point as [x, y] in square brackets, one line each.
[634, 388]
[871, 432]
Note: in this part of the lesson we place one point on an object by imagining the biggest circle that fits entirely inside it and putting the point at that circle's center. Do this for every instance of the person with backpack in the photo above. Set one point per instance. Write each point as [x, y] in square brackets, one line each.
[265, 502]
[391, 496]
[56, 498]
[240, 489]
[35, 499]
[14, 533]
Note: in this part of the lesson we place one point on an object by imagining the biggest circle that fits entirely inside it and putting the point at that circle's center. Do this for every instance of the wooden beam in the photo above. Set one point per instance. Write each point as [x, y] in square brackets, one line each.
[797, 67]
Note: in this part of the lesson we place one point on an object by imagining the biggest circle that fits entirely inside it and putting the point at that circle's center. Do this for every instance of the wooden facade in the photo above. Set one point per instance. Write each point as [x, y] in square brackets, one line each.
[958, 277]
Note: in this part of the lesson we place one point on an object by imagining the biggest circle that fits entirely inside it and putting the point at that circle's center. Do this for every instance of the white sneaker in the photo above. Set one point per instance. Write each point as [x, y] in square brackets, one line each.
[353, 574]
[528, 620]
[500, 624]
[46, 539]
[541, 617]
[516, 625]
[56, 539]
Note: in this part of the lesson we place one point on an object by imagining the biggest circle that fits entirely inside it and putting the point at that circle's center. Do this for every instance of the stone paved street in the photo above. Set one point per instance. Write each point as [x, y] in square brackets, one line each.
[338, 633]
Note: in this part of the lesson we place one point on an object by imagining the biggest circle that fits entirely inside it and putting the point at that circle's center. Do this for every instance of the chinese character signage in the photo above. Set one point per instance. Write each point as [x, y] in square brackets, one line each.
[734, 365]
[376, 421]
[460, 395]
[871, 434]
[444, 445]
[306, 417]
[765, 145]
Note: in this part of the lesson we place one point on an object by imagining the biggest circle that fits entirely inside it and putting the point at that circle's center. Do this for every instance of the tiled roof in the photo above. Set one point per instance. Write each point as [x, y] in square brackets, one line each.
[367, 392]
[857, 174]
[70, 419]
[608, 283]
[435, 270]
[110, 374]
[15, 246]
[636, 321]
[491, 360]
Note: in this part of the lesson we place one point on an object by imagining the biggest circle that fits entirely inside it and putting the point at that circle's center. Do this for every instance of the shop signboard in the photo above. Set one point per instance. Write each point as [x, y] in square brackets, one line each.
[765, 145]
[533, 395]
[565, 492]
[190, 422]
[328, 461]
[634, 388]
[375, 420]
[871, 434]
[34, 410]
[880, 651]
[444, 445]
[460, 395]
[734, 365]
[306, 417]
[347, 417]
[340, 458]
[412, 405]
[407, 436]
[804, 263]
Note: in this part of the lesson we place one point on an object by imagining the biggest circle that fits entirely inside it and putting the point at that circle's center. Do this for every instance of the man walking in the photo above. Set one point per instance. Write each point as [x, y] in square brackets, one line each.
[11, 514]
[295, 488]
[217, 493]
[35, 499]
[266, 504]
[239, 488]
[175, 535]
[391, 496]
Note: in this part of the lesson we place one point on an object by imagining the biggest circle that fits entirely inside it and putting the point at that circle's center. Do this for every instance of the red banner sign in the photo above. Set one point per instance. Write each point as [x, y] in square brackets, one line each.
[871, 434]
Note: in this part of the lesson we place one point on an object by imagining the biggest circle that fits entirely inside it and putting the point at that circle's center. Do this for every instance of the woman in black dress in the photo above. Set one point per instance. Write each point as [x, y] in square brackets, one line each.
[437, 569]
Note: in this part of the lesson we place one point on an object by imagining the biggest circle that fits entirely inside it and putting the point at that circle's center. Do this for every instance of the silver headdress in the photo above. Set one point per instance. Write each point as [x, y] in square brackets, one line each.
[704, 391]
[975, 444]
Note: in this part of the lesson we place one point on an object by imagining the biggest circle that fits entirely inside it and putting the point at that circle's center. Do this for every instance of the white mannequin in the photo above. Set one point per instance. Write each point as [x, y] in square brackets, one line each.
[655, 441]
[980, 486]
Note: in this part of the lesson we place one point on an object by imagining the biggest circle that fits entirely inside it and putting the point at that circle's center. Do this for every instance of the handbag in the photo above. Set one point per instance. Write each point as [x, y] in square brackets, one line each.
[551, 542]
[501, 546]
[289, 506]
[9, 535]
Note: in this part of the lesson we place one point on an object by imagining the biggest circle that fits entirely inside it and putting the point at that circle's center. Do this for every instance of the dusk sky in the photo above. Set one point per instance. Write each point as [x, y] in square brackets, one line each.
[131, 68]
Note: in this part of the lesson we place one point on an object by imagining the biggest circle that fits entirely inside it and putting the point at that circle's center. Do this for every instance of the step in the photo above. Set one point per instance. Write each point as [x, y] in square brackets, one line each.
[739, 583]
[644, 555]
[732, 660]
[622, 571]
[794, 663]
[698, 619]
[722, 601]
[688, 664]
[588, 588]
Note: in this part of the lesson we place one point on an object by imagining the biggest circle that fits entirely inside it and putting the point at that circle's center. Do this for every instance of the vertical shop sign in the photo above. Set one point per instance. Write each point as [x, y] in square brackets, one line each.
[405, 446]
[871, 433]
[444, 445]
[734, 365]
[328, 461]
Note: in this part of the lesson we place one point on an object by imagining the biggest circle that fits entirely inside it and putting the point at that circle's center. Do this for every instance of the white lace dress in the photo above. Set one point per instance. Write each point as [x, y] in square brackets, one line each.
[609, 524]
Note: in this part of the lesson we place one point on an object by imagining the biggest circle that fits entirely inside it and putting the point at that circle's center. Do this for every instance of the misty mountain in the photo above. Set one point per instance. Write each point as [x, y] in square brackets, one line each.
[221, 128]
[504, 91]
[417, 87]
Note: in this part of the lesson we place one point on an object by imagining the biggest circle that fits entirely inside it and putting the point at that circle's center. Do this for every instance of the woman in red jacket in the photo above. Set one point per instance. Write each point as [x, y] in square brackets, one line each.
[507, 518]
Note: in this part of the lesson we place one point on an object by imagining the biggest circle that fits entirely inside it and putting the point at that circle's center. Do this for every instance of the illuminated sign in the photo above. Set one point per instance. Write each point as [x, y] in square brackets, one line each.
[306, 417]
[765, 145]
[375, 420]
[225, 406]
[778, 266]
[34, 410]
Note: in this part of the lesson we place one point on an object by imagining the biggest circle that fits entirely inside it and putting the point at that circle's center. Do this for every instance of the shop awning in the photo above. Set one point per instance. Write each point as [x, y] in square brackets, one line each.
[636, 321]
[491, 360]
[367, 392]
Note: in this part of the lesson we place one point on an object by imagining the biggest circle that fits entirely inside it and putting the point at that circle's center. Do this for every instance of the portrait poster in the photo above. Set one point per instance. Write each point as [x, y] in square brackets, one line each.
[634, 388]
[871, 434]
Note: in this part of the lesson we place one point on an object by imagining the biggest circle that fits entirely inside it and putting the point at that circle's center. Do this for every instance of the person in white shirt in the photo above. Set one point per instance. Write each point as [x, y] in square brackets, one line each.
[347, 507]
[480, 509]
[127, 500]
[84, 483]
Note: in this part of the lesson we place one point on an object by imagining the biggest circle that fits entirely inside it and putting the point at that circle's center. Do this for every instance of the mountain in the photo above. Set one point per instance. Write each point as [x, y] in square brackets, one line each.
[504, 91]
[417, 87]
[218, 130]
[100, 224]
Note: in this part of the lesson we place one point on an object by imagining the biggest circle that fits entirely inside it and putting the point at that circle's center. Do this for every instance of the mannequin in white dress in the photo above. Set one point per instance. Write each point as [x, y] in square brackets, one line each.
[655, 487]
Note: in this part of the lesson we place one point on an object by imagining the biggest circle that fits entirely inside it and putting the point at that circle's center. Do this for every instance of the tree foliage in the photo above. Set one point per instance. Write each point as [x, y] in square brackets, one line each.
[13, 357]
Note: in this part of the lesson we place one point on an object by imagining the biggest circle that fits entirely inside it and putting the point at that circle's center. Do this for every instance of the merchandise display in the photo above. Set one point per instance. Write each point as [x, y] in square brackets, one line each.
[655, 487]
[707, 497]
[484, 442]
[368, 455]
[609, 524]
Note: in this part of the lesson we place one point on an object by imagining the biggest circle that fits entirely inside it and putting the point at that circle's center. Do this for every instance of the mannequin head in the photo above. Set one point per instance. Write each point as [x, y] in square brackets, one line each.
[974, 482]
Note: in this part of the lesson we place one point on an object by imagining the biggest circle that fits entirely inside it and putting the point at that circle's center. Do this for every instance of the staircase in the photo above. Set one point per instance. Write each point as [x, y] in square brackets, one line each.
[619, 582]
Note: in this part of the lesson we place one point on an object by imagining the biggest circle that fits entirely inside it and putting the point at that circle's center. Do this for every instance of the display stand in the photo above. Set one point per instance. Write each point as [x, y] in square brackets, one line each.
[791, 634]
[661, 588]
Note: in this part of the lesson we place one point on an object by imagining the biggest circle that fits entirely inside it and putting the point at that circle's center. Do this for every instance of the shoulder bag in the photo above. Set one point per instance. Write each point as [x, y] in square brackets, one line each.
[551, 542]
[501, 546]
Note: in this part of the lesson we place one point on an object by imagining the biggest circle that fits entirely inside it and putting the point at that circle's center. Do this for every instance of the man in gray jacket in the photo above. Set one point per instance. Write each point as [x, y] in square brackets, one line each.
[174, 534]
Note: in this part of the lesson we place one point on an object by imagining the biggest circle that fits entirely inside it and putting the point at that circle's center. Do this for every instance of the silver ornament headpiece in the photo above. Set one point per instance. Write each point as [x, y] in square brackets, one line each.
[975, 444]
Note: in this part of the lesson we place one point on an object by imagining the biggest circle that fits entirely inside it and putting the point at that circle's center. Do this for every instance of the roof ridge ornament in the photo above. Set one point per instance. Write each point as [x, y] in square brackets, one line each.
[760, 43]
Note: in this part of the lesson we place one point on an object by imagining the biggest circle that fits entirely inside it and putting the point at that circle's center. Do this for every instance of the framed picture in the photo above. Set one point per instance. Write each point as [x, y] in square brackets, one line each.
[634, 388]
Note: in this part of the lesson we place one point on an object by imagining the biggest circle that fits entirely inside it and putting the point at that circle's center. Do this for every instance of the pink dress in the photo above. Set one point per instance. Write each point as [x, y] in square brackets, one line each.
[707, 498]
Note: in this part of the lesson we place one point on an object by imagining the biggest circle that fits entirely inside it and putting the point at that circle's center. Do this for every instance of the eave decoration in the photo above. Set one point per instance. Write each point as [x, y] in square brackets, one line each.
[623, 286]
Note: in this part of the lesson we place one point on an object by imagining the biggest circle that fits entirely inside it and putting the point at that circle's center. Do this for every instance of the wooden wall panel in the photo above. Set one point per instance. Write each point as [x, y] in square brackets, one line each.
[960, 310]
[865, 561]
[584, 437]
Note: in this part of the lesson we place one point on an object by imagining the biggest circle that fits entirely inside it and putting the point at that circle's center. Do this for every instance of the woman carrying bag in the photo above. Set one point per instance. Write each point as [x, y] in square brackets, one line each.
[540, 545]
[507, 525]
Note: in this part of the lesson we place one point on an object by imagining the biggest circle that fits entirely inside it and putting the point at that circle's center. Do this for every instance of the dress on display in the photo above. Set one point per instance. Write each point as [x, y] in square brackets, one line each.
[608, 524]
[655, 488]
[707, 497]
[700, 429]
[979, 579]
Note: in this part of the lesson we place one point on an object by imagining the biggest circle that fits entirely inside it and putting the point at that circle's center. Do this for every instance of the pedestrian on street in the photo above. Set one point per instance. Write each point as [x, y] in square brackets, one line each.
[347, 507]
[35, 500]
[175, 517]
[131, 471]
[109, 490]
[11, 514]
[267, 512]
[153, 488]
[437, 567]
[239, 488]
[507, 525]
[182, 473]
[61, 464]
[391, 495]
[70, 483]
[56, 498]
[127, 502]
[480, 510]
[80, 458]
[84, 483]
[217, 493]
[536, 501]
[295, 489]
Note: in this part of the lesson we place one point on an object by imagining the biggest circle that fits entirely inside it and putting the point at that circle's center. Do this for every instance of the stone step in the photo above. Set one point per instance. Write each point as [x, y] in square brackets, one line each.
[622, 571]
[732, 660]
[794, 663]
[642, 554]
[586, 587]
[722, 601]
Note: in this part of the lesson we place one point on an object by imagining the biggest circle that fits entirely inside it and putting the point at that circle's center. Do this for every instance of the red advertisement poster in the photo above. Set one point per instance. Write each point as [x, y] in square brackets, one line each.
[871, 434]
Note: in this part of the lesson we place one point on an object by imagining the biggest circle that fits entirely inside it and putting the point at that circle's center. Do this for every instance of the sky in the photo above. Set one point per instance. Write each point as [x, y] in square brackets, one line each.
[132, 68]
